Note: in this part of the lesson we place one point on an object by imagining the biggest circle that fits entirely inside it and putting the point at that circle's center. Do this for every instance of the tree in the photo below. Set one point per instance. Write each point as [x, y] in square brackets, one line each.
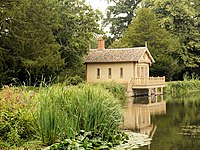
[181, 18]
[119, 16]
[162, 45]
[78, 26]
[44, 38]
[27, 40]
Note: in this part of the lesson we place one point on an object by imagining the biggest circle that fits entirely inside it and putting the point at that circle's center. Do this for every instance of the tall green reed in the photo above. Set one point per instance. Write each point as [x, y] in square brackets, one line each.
[186, 86]
[65, 111]
[118, 90]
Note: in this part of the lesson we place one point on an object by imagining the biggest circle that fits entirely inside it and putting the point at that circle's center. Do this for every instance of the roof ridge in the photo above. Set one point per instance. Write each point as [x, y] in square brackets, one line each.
[128, 48]
[116, 55]
[121, 48]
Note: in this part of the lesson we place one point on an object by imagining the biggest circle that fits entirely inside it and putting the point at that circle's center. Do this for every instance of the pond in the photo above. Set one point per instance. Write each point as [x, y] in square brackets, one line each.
[172, 122]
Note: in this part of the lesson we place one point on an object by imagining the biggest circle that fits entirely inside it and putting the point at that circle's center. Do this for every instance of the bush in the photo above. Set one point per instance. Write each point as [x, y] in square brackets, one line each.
[186, 86]
[74, 80]
[65, 111]
[118, 90]
[90, 140]
[16, 120]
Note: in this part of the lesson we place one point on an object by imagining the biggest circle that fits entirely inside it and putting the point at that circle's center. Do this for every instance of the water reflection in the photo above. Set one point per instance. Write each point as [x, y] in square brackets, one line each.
[138, 112]
[176, 128]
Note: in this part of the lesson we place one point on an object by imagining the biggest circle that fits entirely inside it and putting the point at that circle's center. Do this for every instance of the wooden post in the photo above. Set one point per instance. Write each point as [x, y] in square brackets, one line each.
[161, 98]
[161, 90]
[149, 92]
[150, 99]
[156, 91]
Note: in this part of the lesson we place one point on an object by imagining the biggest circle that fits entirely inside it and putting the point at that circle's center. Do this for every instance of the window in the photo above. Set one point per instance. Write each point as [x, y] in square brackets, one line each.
[138, 72]
[146, 72]
[121, 73]
[98, 73]
[109, 73]
[142, 72]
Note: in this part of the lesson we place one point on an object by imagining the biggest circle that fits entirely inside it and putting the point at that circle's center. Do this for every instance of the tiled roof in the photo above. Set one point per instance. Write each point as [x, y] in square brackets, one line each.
[115, 55]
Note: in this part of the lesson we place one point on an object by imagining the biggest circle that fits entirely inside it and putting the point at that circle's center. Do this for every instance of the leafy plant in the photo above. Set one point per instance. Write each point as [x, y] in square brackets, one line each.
[74, 80]
[186, 86]
[65, 111]
[16, 120]
[90, 140]
[118, 90]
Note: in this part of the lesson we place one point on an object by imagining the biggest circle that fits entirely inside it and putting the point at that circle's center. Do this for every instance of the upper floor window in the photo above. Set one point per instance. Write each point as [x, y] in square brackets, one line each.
[109, 72]
[121, 72]
[98, 73]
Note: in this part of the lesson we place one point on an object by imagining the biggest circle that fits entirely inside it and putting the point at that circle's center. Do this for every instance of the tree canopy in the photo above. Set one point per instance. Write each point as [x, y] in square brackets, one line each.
[42, 38]
[119, 16]
[162, 45]
[49, 38]
[181, 18]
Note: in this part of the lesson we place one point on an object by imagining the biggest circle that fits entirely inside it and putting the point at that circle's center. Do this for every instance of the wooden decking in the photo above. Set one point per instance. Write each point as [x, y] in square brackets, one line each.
[147, 82]
[154, 85]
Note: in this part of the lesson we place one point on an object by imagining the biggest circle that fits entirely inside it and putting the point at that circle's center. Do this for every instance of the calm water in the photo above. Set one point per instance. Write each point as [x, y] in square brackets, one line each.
[173, 123]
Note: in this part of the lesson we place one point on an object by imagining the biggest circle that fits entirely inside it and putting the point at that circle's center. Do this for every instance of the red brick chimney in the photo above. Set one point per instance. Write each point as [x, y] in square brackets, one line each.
[100, 43]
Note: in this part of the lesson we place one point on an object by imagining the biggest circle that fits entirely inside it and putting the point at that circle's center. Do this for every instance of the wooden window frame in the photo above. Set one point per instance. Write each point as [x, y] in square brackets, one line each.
[121, 72]
[98, 73]
[109, 73]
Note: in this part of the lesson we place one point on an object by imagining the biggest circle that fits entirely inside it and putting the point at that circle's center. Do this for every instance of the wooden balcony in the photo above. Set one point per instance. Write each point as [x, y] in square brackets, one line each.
[150, 82]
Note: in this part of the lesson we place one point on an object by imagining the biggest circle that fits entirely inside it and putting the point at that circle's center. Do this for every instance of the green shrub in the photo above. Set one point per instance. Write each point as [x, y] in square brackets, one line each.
[16, 120]
[90, 140]
[74, 80]
[186, 86]
[118, 90]
[65, 111]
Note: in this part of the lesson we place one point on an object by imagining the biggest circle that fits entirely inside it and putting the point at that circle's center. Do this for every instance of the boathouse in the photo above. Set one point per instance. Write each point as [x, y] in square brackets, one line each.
[129, 66]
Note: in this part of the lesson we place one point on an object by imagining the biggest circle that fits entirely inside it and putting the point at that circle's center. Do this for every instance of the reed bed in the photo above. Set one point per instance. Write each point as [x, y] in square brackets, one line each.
[118, 90]
[52, 114]
[64, 112]
[186, 86]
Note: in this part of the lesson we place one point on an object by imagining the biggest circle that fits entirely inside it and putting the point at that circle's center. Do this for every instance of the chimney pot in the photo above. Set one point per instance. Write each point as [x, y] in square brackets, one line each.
[100, 43]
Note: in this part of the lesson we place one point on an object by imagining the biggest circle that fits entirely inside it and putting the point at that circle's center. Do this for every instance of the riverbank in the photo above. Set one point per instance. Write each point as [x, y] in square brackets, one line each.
[83, 116]
[186, 86]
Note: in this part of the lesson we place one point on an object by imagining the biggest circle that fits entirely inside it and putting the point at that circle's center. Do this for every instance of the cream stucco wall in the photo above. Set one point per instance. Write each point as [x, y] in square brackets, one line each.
[128, 72]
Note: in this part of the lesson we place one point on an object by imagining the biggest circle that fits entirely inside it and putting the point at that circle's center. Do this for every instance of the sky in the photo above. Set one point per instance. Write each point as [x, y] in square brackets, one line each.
[98, 4]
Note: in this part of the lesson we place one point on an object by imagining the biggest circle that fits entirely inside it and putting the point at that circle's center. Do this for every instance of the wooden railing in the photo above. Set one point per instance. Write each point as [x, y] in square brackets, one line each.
[147, 81]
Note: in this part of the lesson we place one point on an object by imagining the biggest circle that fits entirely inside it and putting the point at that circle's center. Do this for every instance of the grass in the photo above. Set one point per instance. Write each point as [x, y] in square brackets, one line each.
[32, 116]
[186, 86]
[65, 111]
[118, 90]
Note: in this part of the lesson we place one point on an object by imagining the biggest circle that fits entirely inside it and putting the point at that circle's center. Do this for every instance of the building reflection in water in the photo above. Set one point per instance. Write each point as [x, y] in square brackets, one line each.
[138, 112]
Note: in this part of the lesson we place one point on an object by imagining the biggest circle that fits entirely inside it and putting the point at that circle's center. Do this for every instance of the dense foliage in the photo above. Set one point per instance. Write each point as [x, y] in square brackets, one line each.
[52, 114]
[180, 19]
[162, 45]
[119, 15]
[63, 112]
[91, 140]
[118, 90]
[179, 87]
[17, 124]
[44, 39]
[48, 39]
